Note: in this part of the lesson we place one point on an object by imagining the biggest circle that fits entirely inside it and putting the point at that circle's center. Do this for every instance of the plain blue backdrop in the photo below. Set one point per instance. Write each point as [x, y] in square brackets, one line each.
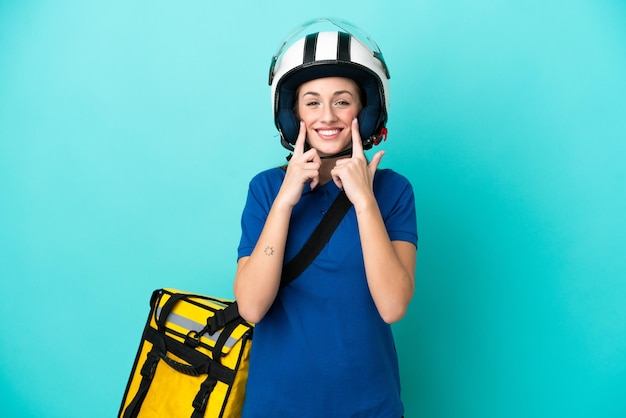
[129, 131]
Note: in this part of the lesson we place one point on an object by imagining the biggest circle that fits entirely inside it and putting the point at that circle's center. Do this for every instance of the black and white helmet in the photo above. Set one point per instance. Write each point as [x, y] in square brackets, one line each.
[311, 52]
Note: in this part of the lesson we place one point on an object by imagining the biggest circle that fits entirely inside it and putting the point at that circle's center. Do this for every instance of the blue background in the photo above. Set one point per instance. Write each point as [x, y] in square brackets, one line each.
[130, 129]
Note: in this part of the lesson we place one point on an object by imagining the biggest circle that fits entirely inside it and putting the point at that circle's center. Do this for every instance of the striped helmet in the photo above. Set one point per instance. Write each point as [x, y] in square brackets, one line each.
[309, 53]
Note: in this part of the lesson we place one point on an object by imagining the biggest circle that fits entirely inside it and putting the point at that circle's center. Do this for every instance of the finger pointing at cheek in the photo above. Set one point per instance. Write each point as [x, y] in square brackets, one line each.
[357, 144]
[299, 146]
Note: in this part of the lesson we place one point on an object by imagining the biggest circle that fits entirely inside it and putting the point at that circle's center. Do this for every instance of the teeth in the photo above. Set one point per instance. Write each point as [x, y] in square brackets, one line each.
[328, 132]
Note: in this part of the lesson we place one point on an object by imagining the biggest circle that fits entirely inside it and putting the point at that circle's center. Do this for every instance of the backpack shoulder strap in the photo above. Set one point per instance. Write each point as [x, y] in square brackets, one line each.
[318, 239]
[311, 249]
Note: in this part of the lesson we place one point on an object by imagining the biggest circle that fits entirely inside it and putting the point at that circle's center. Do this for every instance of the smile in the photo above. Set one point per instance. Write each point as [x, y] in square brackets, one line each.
[328, 132]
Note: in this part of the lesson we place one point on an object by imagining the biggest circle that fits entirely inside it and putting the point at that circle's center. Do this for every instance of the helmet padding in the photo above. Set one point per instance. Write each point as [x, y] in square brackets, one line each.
[370, 118]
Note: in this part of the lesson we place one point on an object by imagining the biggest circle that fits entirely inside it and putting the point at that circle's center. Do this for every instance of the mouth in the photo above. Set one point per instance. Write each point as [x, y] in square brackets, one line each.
[328, 133]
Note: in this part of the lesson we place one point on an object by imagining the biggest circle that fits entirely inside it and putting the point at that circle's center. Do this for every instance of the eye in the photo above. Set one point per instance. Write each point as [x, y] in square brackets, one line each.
[342, 103]
[311, 103]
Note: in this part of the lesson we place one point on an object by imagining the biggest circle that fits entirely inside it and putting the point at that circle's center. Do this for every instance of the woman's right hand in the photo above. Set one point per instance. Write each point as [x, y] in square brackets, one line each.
[303, 167]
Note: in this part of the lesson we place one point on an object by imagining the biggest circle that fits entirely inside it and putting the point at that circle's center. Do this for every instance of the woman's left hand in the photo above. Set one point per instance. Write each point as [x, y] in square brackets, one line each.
[355, 175]
[389, 266]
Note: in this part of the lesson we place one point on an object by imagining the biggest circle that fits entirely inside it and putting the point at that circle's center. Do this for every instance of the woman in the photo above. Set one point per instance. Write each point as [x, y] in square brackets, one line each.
[323, 346]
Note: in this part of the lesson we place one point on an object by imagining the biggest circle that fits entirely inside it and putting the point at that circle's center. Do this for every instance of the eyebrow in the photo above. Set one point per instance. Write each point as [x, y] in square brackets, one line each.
[337, 93]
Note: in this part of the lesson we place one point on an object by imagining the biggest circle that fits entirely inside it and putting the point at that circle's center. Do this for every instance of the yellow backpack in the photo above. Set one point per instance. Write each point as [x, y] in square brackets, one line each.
[192, 360]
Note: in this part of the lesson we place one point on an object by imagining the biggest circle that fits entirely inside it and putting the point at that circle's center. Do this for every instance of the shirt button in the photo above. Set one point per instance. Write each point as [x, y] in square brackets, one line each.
[322, 211]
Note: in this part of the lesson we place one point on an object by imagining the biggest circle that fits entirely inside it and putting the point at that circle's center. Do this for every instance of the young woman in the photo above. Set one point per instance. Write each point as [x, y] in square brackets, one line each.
[323, 345]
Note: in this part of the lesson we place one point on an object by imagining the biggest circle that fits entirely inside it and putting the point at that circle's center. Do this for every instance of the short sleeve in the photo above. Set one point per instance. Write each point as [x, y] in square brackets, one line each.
[262, 191]
[396, 201]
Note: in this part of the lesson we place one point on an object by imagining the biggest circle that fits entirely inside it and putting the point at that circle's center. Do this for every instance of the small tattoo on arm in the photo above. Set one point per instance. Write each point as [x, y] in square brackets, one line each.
[269, 250]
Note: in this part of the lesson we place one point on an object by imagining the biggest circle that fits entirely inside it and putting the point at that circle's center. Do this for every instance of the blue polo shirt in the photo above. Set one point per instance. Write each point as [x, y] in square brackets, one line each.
[322, 350]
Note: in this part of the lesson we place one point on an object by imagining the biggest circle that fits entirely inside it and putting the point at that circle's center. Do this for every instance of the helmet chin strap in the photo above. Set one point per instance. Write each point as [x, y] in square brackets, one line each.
[339, 154]
[329, 157]
[347, 151]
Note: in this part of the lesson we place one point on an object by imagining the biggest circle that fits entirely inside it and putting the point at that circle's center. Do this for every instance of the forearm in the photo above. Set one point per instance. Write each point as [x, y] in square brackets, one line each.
[389, 266]
[257, 279]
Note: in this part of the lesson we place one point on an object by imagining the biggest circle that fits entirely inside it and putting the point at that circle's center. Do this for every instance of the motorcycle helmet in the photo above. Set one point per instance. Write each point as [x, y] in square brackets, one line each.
[327, 47]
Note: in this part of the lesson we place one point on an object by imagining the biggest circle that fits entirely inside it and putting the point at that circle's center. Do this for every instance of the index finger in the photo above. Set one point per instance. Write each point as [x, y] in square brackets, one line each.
[299, 145]
[357, 144]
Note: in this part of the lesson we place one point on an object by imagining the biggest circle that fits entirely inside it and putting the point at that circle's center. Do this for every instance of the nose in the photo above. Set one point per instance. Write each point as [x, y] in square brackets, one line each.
[328, 114]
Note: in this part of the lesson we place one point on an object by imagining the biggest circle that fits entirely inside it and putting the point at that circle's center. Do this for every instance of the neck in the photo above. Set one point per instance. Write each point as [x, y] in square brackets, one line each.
[328, 164]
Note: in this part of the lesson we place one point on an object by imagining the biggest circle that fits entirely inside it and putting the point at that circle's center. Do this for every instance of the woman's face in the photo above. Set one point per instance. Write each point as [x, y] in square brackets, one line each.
[327, 106]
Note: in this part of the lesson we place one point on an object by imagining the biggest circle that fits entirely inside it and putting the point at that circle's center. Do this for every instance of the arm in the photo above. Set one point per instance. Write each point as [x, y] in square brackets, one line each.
[389, 265]
[257, 278]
